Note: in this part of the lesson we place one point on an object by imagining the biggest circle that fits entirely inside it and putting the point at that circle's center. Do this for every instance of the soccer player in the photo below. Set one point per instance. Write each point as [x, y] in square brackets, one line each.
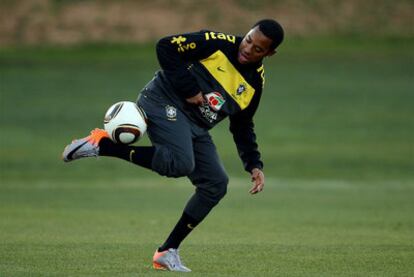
[205, 77]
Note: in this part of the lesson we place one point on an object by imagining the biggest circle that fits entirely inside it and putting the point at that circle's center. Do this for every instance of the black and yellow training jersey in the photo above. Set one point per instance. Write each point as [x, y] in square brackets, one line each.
[207, 62]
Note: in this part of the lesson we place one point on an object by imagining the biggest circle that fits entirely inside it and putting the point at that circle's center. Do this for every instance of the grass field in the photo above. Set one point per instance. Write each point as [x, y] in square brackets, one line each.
[336, 130]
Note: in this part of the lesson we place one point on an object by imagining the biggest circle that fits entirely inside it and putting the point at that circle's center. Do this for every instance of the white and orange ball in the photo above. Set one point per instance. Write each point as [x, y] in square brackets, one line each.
[125, 122]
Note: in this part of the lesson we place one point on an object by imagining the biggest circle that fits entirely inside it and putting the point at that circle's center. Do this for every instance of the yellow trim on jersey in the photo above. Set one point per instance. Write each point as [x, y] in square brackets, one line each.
[262, 74]
[229, 78]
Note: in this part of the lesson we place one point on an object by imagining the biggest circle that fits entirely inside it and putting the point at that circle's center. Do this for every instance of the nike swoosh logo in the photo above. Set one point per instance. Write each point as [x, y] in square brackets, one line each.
[130, 155]
[76, 149]
[190, 226]
[219, 68]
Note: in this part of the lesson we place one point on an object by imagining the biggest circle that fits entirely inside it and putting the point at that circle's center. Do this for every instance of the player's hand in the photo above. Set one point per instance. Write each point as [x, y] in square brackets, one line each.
[196, 99]
[258, 180]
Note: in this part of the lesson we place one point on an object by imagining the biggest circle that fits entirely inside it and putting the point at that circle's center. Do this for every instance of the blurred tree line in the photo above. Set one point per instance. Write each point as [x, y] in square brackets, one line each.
[28, 22]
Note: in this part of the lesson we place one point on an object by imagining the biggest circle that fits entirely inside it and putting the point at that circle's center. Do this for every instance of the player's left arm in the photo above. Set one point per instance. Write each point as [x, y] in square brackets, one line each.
[242, 128]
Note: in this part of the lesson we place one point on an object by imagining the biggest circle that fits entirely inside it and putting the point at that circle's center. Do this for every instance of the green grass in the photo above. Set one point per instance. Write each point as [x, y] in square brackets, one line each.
[335, 129]
[294, 228]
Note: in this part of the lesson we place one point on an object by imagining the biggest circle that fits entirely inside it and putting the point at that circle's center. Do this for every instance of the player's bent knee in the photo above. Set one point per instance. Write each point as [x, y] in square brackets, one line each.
[178, 167]
[221, 192]
[171, 164]
[183, 167]
[218, 188]
[222, 188]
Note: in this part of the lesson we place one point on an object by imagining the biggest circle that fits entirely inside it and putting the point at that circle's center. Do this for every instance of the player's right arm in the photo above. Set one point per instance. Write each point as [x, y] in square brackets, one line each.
[175, 55]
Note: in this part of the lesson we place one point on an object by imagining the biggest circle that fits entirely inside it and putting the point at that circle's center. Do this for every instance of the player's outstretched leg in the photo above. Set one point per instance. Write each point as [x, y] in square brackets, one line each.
[84, 147]
[168, 260]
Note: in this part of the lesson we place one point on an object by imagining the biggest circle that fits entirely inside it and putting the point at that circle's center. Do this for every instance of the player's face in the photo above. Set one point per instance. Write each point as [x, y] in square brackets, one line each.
[254, 47]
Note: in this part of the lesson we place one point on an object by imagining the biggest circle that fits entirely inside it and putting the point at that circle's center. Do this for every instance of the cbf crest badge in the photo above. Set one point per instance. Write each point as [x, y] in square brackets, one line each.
[241, 89]
[171, 113]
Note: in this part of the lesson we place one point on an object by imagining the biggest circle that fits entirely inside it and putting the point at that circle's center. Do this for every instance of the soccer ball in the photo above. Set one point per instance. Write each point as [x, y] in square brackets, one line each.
[125, 122]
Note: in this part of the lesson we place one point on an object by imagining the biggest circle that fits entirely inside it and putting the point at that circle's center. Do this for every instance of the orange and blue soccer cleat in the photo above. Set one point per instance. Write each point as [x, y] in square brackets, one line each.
[168, 260]
[84, 147]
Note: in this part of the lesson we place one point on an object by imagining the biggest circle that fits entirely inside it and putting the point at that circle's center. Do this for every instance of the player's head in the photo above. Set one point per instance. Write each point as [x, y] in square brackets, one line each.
[261, 41]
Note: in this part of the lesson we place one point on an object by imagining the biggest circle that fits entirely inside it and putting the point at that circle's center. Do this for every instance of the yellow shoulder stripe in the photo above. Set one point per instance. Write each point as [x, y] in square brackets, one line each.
[262, 74]
[229, 78]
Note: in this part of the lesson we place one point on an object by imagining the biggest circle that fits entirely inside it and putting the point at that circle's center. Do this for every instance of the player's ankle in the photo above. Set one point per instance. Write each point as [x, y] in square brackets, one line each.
[105, 146]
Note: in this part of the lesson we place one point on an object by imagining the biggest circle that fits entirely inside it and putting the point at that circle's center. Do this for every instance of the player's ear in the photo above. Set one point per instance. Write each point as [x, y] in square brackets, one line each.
[271, 53]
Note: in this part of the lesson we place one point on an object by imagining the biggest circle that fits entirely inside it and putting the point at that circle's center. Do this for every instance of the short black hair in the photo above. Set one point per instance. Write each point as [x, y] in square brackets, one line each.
[273, 30]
